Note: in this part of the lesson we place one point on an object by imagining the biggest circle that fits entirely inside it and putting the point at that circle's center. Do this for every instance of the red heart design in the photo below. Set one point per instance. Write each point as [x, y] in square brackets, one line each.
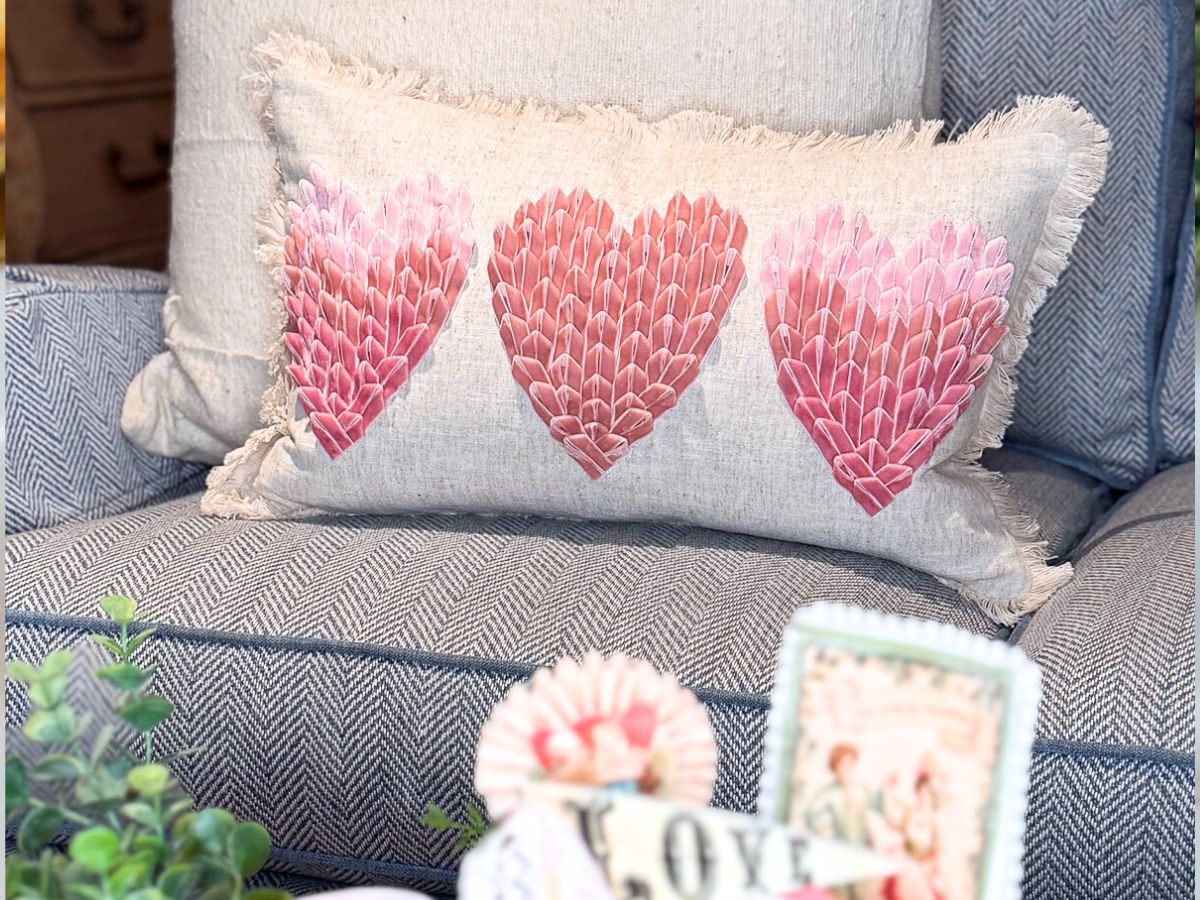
[606, 328]
[367, 293]
[878, 355]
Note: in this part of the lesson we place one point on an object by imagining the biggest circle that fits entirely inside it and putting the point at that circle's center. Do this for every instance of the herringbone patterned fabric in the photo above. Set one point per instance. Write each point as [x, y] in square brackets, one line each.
[75, 337]
[1176, 390]
[1116, 645]
[472, 585]
[1111, 794]
[338, 672]
[1108, 826]
[1085, 382]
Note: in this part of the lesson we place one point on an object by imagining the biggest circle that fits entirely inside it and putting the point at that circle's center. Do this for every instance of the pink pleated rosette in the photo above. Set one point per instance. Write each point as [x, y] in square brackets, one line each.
[613, 723]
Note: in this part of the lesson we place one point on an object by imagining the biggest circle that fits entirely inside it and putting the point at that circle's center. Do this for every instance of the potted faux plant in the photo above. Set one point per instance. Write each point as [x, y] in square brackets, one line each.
[94, 809]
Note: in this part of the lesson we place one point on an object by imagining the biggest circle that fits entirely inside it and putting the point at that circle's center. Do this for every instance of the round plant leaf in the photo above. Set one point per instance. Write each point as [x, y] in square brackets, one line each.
[145, 713]
[179, 880]
[149, 779]
[48, 691]
[51, 726]
[56, 663]
[38, 828]
[19, 670]
[210, 828]
[142, 813]
[107, 643]
[16, 785]
[120, 609]
[126, 676]
[97, 849]
[58, 767]
[249, 845]
[268, 894]
[130, 876]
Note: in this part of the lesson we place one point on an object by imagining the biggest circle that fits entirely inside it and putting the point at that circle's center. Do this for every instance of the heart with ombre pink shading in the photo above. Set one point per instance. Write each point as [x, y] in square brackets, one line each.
[605, 328]
[367, 292]
[879, 354]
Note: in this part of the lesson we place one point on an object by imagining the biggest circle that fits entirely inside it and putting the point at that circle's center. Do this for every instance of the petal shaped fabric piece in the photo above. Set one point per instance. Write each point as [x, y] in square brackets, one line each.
[367, 292]
[879, 352]
[605, 327]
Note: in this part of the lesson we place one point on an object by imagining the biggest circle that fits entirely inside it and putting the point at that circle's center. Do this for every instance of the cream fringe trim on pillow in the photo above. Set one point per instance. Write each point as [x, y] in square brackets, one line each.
[230, 486]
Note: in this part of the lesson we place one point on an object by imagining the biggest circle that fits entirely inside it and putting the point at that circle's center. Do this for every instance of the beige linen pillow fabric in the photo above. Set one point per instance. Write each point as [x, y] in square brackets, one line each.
[741, 437]
[824, 64]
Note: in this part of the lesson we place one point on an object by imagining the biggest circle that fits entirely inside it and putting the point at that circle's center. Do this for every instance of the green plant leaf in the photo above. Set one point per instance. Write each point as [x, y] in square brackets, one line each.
[19, 670]
[138, 639]
[58, 766]
[86, 890]
[145, 713]
[107, 643]
[149, 779]
[120, 609]
[268, 893]
[475, 817]
[168, 758]
[38, 828]
[125, 676]
[129, 876]
[51, 726]
[179, 880]
[22, 877]
[100, 744]
[16, 785]
[178, 808]
[142, 813]
[465, 841]
[97, 849]
[436, 817]
[48, 690]
[150, 893]
[219, 892]
[210, 828]
[249, 846]
[55, 663]
[106, 787]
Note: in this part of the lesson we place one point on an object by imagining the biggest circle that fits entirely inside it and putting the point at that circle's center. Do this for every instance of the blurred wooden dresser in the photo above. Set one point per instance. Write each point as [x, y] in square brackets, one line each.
[91, 116]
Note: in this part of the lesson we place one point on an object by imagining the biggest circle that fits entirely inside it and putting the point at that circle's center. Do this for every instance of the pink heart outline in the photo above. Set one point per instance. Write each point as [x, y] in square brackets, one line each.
[367, 293]
[878, 354]
[606, 327]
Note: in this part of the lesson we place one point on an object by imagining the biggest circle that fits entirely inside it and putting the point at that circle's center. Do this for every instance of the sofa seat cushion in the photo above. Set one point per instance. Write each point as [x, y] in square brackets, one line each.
[337, 672]
[1114, 757]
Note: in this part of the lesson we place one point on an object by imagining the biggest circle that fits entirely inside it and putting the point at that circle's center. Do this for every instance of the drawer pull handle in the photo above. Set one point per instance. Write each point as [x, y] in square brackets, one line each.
[132, 29]
[132, 179]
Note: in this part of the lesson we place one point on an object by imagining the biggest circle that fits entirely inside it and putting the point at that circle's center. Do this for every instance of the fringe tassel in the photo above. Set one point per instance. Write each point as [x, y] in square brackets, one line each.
[1087, 157]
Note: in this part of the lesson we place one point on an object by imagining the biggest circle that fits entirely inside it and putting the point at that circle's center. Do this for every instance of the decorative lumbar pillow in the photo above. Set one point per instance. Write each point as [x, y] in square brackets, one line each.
[771, 65]
[494, 308]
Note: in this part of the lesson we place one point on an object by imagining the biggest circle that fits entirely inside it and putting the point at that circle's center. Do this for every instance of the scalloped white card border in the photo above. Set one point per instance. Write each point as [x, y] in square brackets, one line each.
[929, 643]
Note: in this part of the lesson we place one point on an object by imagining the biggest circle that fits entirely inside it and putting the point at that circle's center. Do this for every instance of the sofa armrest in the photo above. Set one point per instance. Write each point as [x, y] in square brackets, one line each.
[1111, 797]
[74, 338]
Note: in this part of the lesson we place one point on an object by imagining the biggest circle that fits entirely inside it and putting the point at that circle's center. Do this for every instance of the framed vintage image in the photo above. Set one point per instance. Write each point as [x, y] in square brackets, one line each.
[909, 737]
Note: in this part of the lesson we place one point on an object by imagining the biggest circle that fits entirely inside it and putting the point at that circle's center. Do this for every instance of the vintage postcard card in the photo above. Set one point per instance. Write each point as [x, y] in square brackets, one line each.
[908, 737]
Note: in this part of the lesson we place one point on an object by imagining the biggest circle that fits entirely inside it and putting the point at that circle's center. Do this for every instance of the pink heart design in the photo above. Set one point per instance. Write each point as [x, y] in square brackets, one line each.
[606, 328]
[878, 355]
[367, 293]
